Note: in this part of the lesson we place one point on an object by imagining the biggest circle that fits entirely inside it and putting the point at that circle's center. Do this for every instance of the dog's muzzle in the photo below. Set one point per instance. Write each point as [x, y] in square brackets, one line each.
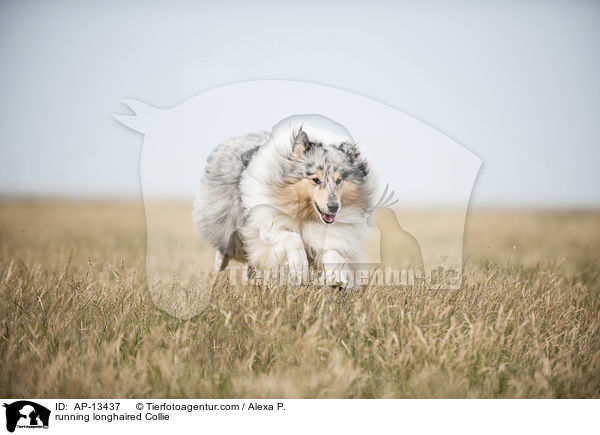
[328, 218]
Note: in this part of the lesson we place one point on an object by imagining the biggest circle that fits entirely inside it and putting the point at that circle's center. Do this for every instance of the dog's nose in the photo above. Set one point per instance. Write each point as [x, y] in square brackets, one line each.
[332, 207]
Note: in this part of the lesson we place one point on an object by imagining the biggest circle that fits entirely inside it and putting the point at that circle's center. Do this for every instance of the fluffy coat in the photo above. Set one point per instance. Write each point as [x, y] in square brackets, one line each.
[296, 197]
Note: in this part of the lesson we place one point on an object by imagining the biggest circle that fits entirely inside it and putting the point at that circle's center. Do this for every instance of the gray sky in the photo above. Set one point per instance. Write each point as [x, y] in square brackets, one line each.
[517, 83]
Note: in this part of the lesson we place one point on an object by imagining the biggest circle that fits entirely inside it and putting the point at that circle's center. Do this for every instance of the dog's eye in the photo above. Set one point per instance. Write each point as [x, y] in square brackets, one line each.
[316, 180]
[338, 181]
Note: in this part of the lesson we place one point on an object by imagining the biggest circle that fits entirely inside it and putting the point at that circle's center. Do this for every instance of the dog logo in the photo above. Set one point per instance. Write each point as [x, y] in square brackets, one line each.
[26, 414]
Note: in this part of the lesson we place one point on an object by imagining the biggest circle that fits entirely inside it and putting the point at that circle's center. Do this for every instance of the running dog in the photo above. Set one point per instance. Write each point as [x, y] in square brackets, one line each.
[296, 198]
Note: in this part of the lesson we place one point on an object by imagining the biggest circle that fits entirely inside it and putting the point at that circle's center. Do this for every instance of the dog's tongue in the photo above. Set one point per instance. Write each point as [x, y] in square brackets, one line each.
[329, 218]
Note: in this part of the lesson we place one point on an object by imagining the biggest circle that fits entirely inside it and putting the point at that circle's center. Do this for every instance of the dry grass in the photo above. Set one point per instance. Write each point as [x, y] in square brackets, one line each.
[77, 319]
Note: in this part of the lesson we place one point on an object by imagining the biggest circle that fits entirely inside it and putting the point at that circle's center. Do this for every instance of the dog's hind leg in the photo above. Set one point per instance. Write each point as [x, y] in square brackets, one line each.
[221, 262]
[224, 254]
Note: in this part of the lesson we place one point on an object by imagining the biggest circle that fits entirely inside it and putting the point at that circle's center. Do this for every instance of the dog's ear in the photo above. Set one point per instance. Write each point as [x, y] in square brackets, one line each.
[301, 144]
[354, 157]
[350, 149]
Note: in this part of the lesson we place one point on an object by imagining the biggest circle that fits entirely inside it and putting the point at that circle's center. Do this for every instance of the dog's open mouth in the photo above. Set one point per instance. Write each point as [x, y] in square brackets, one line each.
[327, 218]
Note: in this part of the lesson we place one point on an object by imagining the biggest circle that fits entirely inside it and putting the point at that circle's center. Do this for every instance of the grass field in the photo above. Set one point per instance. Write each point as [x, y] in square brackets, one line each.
[77, 319]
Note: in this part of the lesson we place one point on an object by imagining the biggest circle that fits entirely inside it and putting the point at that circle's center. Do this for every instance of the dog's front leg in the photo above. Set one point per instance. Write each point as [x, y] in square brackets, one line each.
[271, 243]
[297, 264]
[337, 269]
[284, 248]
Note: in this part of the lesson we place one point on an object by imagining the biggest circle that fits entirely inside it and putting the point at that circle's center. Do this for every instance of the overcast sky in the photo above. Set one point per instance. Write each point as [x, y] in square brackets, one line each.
[517, 83]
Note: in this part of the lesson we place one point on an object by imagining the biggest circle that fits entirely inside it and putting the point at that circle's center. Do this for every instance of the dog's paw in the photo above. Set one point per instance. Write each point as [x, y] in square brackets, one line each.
[297, 266]
[338, 276]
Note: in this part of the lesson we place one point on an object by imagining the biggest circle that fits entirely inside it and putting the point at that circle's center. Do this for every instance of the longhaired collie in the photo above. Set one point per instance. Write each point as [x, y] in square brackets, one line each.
[296, 199]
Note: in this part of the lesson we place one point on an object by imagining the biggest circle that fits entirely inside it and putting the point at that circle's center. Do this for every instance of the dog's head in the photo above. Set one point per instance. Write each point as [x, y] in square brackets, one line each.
[324, 178]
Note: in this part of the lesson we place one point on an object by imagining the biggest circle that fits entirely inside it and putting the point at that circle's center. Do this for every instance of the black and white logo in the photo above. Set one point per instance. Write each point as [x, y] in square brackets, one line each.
[26, 414]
